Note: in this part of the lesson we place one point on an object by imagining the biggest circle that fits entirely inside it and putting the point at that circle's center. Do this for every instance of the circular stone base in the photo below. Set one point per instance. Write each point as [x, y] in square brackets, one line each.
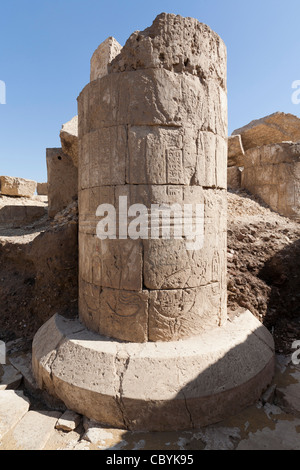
[155, 386]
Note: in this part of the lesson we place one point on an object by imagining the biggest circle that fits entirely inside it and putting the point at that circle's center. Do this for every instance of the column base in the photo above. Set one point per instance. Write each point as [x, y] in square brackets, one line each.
[155, 386]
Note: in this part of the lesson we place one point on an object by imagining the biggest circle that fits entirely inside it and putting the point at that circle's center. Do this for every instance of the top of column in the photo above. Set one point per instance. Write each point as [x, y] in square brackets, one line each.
[172, 42]
[177, 44]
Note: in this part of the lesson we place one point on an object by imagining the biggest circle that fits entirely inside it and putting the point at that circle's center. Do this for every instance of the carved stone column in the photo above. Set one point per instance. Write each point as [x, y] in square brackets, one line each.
[154, 348]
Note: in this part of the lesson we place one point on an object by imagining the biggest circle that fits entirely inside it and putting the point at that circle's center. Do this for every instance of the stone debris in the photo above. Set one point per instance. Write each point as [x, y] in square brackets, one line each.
[273, 129]
[22, 363]
[269, 395]
[69, 139]
[68, 421]
[96, 434]
[18, 187]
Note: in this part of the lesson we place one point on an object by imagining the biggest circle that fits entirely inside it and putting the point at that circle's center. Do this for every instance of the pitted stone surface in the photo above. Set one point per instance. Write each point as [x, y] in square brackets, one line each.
[273, 129]
[102, 57]
[177, 44]
[69, 139]
[20, 187]
[272, 172]
[153, 128]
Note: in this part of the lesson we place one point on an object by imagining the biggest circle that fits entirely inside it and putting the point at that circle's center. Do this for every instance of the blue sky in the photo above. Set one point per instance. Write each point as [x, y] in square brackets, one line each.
[46, 46]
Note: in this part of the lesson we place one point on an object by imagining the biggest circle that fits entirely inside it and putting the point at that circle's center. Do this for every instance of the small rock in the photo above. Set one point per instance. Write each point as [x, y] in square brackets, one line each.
[268, 396]
[95, 433]
[68, 421]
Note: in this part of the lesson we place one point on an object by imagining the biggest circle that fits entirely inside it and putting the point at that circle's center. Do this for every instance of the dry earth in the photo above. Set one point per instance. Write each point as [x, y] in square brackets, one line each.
[264, 266]
[38, 272]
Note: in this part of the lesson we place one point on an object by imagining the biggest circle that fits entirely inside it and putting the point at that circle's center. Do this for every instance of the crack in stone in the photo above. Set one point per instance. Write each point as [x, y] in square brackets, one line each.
[120, 370]
[50, 362]
[263, 340]
[188, 411]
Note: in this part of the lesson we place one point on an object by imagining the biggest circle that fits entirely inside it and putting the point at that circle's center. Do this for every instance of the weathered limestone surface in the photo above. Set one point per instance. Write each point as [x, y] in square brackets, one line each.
[234, 177]
[42, 189]
[16, 215]
[236, 151]
[11, 186]
[102, 56]
[62, 180]
[33, 431]
[69, 139]
[155, 386]
[68, 421]
[13, 406]
[272, 172]
[154, 129]
[273, 129]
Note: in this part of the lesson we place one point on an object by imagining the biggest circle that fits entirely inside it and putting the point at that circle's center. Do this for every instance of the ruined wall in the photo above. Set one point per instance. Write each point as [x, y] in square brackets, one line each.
[272, 172]
[154, 129]
[62, 180]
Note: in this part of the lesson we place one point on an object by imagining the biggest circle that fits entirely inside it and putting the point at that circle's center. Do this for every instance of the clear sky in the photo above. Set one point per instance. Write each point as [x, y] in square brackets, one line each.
[46, 46]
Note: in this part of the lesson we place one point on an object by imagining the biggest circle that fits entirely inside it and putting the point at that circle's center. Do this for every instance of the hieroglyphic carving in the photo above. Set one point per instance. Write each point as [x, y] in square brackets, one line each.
[124, 315]
[174, 166]
[174, 314]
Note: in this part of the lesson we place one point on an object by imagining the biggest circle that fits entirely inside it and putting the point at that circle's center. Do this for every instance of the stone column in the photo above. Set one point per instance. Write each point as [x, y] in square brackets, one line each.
[153, 348]
[154, 129]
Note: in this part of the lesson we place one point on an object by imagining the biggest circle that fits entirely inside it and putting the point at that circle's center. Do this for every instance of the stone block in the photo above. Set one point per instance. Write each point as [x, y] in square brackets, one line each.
[13, 406]
[236, 151]
[62, 180]
[19, 187]
[17, 215]
[42, 189]
[121, 314]
[102, 57]
[272, 172]
[155, 386]
[69, 139]
[273, 129]
[234, 177]
[68, 421]
[33, 431]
